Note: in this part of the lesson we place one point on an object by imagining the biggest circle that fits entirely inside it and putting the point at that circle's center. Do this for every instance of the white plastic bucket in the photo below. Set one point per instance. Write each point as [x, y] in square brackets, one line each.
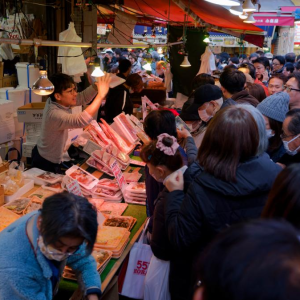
[27, 74]
[16, 95]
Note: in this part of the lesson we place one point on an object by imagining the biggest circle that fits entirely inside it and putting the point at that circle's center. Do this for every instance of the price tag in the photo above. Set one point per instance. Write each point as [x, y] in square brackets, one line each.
[119, 175]
[74, 188]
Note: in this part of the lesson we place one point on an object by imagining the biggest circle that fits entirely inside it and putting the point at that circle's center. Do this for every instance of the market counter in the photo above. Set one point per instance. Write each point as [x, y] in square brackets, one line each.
[68, 287]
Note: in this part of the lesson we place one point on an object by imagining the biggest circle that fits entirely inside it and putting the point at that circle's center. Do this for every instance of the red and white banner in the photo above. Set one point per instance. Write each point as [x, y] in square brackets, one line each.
[273, 20]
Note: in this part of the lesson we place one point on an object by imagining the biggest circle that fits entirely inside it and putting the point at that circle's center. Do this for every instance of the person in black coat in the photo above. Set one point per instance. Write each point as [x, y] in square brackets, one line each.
[118, 98]
[160, 166]
[231, 186]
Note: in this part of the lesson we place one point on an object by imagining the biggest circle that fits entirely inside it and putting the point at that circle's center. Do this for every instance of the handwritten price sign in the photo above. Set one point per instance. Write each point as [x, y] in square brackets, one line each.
[74, 188]
[119, 175]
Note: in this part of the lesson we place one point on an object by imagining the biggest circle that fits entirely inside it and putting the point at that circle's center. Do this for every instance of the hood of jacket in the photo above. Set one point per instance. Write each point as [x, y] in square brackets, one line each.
[252, 177]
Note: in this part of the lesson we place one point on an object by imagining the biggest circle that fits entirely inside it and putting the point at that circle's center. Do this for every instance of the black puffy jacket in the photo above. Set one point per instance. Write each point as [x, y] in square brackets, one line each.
[211, 204]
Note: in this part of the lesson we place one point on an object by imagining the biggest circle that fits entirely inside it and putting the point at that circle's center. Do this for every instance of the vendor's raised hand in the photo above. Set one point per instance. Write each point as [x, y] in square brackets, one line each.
[183, 133]
[175, 182]
[103, 85]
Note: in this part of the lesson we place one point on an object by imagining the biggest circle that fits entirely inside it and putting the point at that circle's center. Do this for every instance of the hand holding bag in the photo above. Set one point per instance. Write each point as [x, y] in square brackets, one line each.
[157, 280]
[139, 260]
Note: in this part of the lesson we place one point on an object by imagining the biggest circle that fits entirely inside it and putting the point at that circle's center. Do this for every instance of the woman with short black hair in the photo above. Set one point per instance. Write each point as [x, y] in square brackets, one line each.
[278, 64]
[36, 248]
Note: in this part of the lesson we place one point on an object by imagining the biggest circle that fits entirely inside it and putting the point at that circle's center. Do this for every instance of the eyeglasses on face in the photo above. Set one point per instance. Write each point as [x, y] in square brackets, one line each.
[283, 136]
[289, 89]
[71, 90]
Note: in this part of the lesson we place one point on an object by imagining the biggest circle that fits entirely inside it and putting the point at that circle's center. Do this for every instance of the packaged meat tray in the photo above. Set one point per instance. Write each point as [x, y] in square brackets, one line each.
[110, 184]
[113, 208]
[120, 221]
[119, 155]
[48, 177]
[132, 177]
[17, 206]
[55, 187]
[126, 127]
[99, 166]
[84, 178]
[111, 237]
[106, 159]
[136, 188]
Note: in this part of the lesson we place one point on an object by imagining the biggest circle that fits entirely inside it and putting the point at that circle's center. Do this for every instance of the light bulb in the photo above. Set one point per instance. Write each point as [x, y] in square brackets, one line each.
[236, 10]
[225, 2]
[147, 67]
[185, 62]
[248, 6]
[206, 40]
[97, 72]
[250, 19]
[159, 50]
[43, 86]
[243, 16]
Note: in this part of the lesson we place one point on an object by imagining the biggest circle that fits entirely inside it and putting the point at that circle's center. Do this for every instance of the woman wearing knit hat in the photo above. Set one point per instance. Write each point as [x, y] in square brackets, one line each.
[274, 109]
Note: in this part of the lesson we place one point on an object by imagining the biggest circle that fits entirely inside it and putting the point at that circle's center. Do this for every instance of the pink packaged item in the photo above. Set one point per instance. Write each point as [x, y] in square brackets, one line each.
[100, 133]
[99, 166]
[127, 128]
[84, 178]
[119, 155]
[119, 142]
[132, 177]
[106, 159]
[136, 188]
[110, 184]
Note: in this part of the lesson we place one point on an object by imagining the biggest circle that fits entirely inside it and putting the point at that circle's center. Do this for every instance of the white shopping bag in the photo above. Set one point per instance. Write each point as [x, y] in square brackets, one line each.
[139, 260]
[157, 280]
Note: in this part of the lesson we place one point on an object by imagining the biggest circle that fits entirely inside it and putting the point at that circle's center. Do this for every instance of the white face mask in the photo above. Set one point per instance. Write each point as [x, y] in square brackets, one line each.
[270, 133]
[50, 252]
[204, 116]
[286, 146]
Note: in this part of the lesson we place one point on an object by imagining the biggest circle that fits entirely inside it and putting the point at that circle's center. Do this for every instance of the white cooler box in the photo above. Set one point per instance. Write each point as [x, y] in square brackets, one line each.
[27, 74]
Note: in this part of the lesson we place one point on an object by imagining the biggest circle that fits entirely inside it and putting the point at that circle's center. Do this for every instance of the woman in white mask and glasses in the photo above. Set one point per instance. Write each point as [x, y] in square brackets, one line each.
[35, 249]
[291, 138]
[274, 108]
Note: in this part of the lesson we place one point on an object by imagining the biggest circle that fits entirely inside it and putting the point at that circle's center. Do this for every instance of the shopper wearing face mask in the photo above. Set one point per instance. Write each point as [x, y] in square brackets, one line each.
[274, 109]
[35, 249]
[207, 102]
[291, 138]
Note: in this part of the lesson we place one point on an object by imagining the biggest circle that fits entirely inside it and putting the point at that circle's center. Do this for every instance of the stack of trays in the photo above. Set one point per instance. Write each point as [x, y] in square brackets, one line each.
[120, 221]
[114, 239]
[112, 209]
[102, 258]
[135, 193]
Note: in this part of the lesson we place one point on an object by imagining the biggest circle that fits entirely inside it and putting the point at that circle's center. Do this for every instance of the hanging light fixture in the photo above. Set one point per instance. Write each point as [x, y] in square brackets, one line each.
[250, 19]
[159, 50]
[185, 62]
[225, 2]
[43, 86]
[243, 16]
[236, 10]
[145, 29]
[97, 72]
[248, 6]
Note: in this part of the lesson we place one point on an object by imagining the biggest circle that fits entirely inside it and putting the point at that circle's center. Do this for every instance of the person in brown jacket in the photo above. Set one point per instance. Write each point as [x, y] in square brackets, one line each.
[233, 86]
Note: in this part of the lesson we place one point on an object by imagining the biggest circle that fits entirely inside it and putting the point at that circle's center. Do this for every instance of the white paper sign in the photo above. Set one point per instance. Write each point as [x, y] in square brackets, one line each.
[119, 175]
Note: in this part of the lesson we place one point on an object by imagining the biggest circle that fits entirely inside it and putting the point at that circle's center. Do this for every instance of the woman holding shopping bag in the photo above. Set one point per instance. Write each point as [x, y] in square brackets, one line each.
[163, 158]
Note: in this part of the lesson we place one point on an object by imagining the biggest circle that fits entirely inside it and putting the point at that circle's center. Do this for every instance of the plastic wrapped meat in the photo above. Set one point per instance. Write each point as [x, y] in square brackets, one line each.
[105, 158]
[121, 156]
[95, 164]
[95, 137]
[100, 133]
[119, 142]
[126, 127]
[109, 184]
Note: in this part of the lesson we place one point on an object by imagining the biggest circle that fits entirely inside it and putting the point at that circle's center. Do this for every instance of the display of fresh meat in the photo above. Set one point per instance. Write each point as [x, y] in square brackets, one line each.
[100, 133]
[109, 184]
[119, 142]
[114, 151]
[95, 137]
[95, 164]
[126, 127]
[105, 158]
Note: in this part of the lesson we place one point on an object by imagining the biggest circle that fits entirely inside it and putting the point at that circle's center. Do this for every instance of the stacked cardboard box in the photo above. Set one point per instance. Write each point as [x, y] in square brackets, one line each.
[31, 115]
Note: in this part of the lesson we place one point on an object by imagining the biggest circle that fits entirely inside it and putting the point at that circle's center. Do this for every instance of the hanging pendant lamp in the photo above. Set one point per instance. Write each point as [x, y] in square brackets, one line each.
[243, 16]
[248, 6]
[185, 62]
[236, 10]
[250, 19]
[225, 2]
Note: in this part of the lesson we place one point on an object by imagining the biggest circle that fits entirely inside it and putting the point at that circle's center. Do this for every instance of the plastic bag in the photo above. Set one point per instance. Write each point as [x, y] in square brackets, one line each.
[157, 280]
[71, 65]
